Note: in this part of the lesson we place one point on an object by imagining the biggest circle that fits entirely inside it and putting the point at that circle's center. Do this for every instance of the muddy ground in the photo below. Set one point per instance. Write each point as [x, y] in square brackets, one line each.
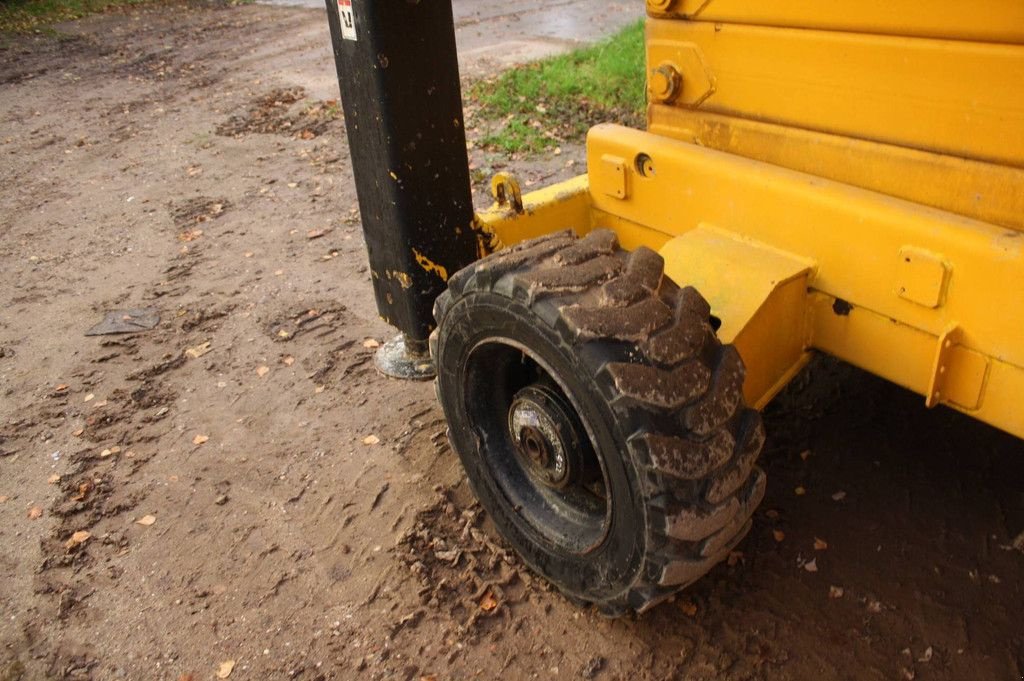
[201, 498]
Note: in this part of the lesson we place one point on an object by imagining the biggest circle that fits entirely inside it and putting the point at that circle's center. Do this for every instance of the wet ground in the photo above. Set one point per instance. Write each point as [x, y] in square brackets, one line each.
[236, 493]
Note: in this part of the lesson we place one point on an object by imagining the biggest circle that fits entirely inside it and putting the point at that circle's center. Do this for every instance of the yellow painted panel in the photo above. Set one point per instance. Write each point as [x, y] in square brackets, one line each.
[983, 20]
[946, 96]
[905, 355]
[984, 191]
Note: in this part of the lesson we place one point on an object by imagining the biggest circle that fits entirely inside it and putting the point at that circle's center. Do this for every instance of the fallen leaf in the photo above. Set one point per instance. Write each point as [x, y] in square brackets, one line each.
[811, 565]
[62, 388]
[248, 254]
[283, 334]
[79, 432]
[839, 496]
[319, 389]
[820, 544]
[225, 669]
[146, 520]
[370, 343]
[110, 452]
[100, 405]
[187, 677]
[198, 351]
[77, 539]
[35, 512]
[53, 479]
[278, 273]
[927, 655]
[804, 455]
[429, 677]
[190, 235]
[488, 602]
[800, 491]
[874, 606]
[200, 439]
[89, 397]
[83, 491]
[288, 361]
[907, 674]
[688, 607]
[835, 592]
[293, 185]
[262, 371]
[317, 233]
[772, 514]
[371, 440]
[779, 535]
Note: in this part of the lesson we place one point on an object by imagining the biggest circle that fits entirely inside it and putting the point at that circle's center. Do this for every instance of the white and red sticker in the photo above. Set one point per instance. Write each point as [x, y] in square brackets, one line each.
[348, 19]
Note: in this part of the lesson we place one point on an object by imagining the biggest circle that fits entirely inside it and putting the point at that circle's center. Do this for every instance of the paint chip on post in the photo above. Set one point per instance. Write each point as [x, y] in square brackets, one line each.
[348, 19]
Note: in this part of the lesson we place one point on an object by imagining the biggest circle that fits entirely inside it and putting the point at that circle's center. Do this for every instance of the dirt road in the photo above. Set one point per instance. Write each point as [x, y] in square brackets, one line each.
[237, 492]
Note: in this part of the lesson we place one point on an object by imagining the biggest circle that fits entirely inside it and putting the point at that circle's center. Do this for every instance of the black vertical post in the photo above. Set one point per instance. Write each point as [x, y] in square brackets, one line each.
[399, 78]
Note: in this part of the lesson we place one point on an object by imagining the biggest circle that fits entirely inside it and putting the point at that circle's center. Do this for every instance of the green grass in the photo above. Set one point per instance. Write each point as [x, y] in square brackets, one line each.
[29, 15]
[537, 106]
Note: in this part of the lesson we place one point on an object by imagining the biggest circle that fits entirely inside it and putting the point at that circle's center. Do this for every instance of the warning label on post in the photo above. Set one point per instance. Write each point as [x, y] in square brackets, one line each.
[348, 19]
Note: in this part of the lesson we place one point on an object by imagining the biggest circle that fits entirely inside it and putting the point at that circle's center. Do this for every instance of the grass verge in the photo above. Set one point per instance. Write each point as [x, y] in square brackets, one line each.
[20, 16]
[536, 106]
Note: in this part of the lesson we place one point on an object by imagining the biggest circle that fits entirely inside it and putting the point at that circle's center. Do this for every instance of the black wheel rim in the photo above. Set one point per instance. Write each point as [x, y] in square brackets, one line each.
[536, 447]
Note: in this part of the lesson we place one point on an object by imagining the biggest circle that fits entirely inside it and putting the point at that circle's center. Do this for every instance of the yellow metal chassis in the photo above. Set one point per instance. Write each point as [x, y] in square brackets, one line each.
[793, 262]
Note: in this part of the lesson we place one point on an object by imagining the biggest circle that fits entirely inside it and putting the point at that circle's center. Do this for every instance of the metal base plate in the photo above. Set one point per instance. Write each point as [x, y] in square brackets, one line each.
[395, 359]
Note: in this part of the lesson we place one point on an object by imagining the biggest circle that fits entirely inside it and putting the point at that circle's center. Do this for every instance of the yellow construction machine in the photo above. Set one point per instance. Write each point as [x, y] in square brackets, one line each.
[843, 178]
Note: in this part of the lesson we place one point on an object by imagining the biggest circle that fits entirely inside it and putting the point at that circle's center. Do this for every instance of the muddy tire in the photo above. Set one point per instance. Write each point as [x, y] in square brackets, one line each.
[599, 420]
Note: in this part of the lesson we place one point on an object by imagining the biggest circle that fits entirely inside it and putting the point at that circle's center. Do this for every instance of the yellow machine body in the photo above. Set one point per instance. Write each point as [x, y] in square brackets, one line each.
[838, 177]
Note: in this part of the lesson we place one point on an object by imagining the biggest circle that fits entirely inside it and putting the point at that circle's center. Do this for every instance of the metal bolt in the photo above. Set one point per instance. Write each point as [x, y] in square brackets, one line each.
[665, 83]
[660, 5]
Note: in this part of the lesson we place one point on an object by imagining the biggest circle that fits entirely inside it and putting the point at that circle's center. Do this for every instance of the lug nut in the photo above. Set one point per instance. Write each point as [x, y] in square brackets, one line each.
[660, 5]
[666, 83]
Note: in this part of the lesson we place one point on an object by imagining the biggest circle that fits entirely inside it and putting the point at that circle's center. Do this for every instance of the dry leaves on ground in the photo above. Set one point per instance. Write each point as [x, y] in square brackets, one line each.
[77, 539]
[198, 351]
[200, 439]
[371, 440]
[225, 669]
[488, 602]
[146, 520]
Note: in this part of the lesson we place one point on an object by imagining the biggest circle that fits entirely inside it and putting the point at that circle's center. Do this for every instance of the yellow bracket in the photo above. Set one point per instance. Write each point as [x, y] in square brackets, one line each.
[758, 292]
[958, 375]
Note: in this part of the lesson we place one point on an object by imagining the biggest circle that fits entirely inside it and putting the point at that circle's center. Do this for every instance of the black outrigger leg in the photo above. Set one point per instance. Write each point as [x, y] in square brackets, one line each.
[399, 77]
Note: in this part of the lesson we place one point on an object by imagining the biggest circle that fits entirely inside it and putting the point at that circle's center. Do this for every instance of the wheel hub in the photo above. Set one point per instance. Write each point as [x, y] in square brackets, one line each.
[546, 435]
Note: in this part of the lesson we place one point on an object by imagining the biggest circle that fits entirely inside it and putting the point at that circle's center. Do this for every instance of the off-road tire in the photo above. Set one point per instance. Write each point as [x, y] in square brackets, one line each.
[638, 354]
